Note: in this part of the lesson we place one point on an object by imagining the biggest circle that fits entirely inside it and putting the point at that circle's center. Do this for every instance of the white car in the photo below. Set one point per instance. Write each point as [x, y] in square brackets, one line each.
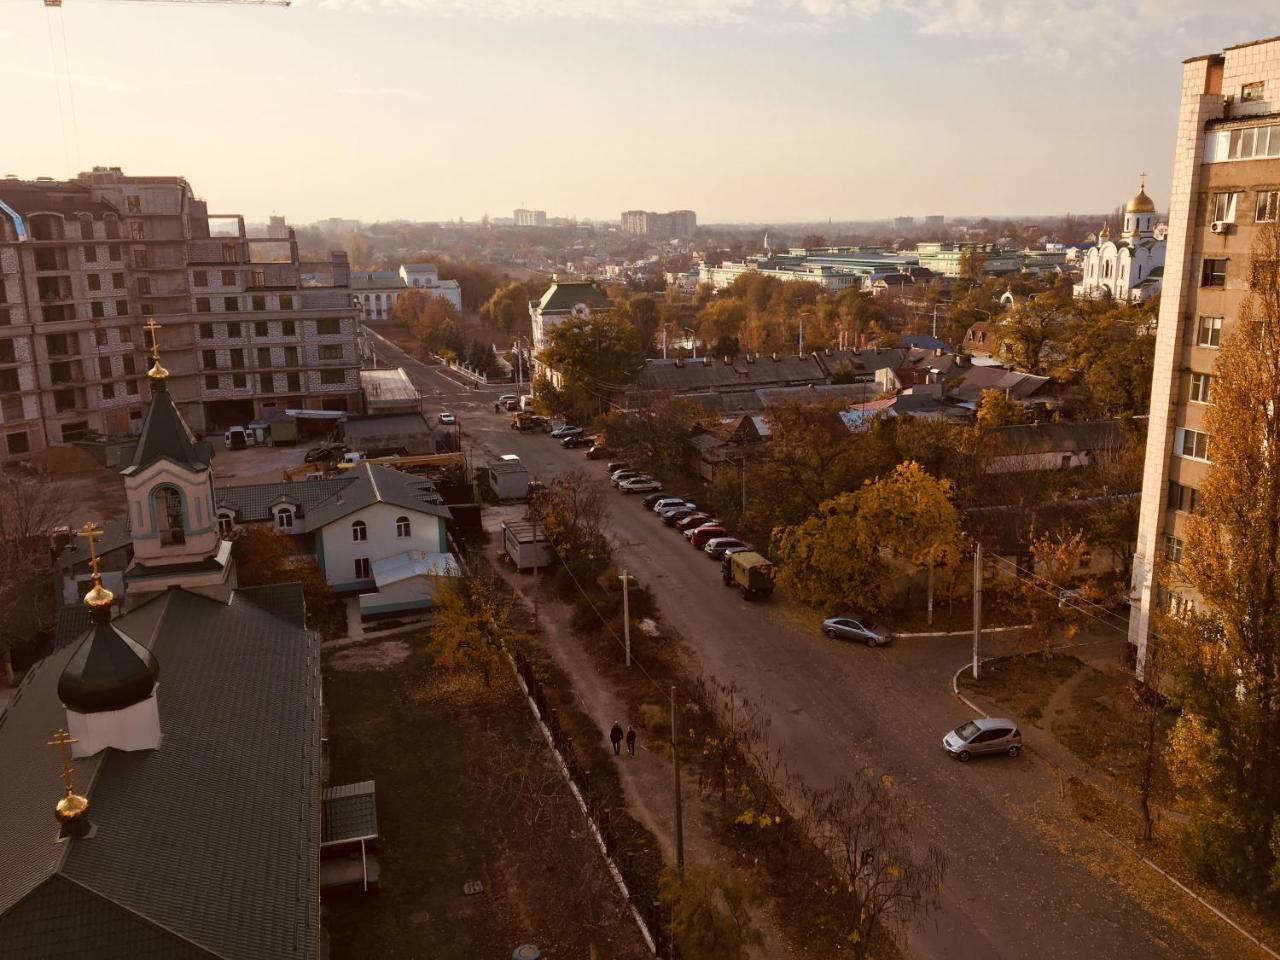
[640, 485]
[448, 419]
[622, 475]
[667, 502]
[675, 508]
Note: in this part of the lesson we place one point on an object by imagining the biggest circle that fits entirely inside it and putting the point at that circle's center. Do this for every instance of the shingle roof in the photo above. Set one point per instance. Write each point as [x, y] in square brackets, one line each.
[563, 295]
[205, 847]
[165, 435]
[374, 484]
[1060, 437]
[714, 374]
[976, 379]
[252, 501]
[350, 811]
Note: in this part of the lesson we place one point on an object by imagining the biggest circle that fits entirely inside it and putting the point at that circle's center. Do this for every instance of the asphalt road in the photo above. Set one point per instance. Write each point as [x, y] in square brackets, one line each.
[1009, 892]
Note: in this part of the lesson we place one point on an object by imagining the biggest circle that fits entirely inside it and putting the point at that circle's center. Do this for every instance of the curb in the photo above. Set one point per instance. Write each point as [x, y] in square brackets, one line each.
[943, 634]
[955, 688]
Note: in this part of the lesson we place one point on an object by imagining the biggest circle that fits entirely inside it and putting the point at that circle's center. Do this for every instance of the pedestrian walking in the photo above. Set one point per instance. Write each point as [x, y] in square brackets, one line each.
[631, 740]
[615, 737]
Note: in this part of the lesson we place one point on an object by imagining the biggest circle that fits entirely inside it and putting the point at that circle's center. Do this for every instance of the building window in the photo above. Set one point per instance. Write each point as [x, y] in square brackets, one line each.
[286, 301]
[230, 304]
[1200, 388]
[113, 249]
[290, 356]
[135, 230]
[359, 532]
[229, 253]
[265, 384]
[108, 391]
[332, 352]
[18, 442]
[140, 259]
[206, 331]
[130, 365]
[200, 278]
[117, 281]
[94, 281]
[99, 339]
[1213, 272]
[1268, 202]
[264, 357]
[104, 368]
[259, 278]
[402, 527]
[226, 524]
[209, 359]
[1224, 207]
[233, 331]
[293, 382]
[90, 254]
[333, 376]
[203, 306]
[126, 335]
[363, 570]
[284, 519]
[237, 359]
[1251, 92]
[328, 327]
[288, 329]
[144, 288]
[211, 382]
[260, 328]
[1183, 497]
[1193, 444]
[133, 203]
[238, 381]
[1172, 549]
[1209, 332]
[96, 310]
[122, 308]
[228, 278]
[259, 302]
[167, 503]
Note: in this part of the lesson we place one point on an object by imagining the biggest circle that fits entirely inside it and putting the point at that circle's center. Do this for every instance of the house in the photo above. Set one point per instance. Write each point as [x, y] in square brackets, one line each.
[388, 391]
[187, 822]
[1053, 446]
[562, 300]
[711, 375]
[724, 445]
[980, 339]
[968, 386]
[914, 402]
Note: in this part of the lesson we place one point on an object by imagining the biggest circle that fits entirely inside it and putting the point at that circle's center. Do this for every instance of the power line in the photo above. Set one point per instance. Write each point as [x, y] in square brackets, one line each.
[57, 85]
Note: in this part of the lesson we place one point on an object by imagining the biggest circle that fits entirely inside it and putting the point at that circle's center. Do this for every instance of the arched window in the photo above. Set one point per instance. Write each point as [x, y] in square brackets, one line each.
[1106, 269]
[359, 532]
[402, 526]
[167, 503]
[284, 518]
[226, 524]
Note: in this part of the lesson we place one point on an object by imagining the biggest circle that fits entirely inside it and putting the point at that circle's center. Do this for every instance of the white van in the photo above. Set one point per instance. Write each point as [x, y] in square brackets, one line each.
[237, 438]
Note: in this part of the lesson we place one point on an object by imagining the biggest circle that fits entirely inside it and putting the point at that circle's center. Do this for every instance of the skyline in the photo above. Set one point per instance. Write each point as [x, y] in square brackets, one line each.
[747, 111]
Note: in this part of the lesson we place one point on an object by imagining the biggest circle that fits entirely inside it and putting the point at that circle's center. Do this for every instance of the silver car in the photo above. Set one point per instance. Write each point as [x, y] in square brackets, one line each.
[973, 738]
[847, 628]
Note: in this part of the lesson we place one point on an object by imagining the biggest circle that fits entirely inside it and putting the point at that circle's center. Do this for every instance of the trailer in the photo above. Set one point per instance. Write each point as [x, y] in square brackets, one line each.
[508, 478]
[526, 545]
[750, 572]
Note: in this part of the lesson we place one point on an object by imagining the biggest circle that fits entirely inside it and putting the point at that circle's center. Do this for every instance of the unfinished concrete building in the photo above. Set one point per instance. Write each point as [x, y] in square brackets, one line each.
[85, 263]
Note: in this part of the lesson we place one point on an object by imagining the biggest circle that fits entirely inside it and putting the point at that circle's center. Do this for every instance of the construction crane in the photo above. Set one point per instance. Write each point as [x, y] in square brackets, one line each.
[252, 3]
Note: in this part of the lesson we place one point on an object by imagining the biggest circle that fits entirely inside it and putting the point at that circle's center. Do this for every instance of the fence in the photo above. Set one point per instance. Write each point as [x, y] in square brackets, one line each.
[648, 911]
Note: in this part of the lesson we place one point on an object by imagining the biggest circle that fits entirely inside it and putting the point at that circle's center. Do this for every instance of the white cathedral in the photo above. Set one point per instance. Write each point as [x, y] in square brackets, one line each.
[1130, 268]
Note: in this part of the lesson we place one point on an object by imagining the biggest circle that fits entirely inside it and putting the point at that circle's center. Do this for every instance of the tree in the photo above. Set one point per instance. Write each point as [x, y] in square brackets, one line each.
[596, 356]
[653, 431]
[710, 912]
[1150, 703]
[30, 509]
[997, 409]
[1030, 334]
[972, 262]
[867, 831]
[828, 562]
[1053, 593]
[266, 555]
[480, 357]
[471, 621]
[436, 327]
[573, 511]
[508, 308]
[1225, 652]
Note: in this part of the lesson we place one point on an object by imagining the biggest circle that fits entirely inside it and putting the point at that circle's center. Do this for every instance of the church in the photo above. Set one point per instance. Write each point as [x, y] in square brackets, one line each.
[1129, 268]
[162, 787]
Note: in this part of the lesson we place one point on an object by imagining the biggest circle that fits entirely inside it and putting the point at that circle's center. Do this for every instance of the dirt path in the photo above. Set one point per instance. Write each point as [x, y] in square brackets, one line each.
[646, 777]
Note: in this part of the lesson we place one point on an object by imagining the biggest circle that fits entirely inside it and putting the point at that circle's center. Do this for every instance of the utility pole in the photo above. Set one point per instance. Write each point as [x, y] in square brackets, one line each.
[977, 603]
[675, 768]
[929, 619]
[537, 553]
[742, 477]
[664, 341]
[626, 613]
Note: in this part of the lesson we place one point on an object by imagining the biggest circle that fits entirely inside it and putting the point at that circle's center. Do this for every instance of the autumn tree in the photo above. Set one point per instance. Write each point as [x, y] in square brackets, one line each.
[1225, 653]
[508, 308]
[828, 561]
[710, 912]
[573, 511]
[997, 409]
[470, 623]
[1054, 594]
[266, 555]
[30, 509]
[1030, 334]
[595, 356]
[652, 432]
[973, 261]
[867, 830]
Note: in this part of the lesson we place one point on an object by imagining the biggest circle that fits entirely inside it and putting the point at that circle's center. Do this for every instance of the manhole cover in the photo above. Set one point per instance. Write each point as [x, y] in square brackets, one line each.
[526, 951]
[472, 887]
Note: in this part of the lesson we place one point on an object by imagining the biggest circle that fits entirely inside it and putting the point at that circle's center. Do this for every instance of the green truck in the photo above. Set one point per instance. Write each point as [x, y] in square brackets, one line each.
[749, 572]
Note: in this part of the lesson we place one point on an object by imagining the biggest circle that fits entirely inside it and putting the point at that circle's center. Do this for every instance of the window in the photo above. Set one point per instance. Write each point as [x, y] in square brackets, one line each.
[18, 442]
[1200, 388]
[1251, 92]
[211, 382]
[331, 353]
[99, 339]
[233, 331]
[328, 327]
[238, 381]
[1209, 332]
[1213, 272]
[131, 388]
[122, 308]
[290, 356]
[226, 524]
[200, 278]
[402, 527]
[294, 383]
[363, 570]
[284, 519]
[1224, 207]
[288, 329]
[140, 259]
[167, 504]
[237, 359]
[1268, 202]
[113, 249]
[228, 278]
[96, 310]
[144, 288]
[333, 376]
[1192, 443]
[130, 365]
[108, 391]
[7, 353]
[359, 532]
[1182, 497]
[117, 281]
[230, 304]
[265, 384]
[286, 301]
[209, 359]
[126, 335]
[206, 331]
[90, 254]
[264, 356]
[203, 306]
[135, 230]
[1172, 549]
[94, 281]
[133, 204]
[259, 278]
[229, 254]
[104, 368]
[259, 302]
[260, 329]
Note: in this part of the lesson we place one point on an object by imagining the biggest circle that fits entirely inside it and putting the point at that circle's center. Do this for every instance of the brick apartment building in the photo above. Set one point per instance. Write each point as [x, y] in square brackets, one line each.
[85, 263]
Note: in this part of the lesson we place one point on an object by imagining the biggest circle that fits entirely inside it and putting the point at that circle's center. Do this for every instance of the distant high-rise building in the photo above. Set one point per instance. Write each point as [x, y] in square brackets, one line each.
[530, 218]
[85, 263]
[678, 224]
[1226, 173]
[903, 223]
[934, 220]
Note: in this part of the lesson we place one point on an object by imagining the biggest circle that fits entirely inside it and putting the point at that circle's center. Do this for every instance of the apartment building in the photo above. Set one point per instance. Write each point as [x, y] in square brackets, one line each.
[85, 263]
[1226, 184]
[681, 224]
[530, 218]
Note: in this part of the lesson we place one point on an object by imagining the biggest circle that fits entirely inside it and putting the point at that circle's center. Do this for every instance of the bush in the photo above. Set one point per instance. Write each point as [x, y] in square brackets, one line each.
[655, 718]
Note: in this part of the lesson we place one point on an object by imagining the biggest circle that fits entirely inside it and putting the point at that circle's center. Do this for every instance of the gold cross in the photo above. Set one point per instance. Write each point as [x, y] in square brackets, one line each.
[91, 533]
[152, 327]
[63, 741]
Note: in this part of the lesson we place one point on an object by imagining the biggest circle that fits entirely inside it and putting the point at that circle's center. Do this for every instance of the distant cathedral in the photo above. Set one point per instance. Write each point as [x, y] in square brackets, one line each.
[1130, 268]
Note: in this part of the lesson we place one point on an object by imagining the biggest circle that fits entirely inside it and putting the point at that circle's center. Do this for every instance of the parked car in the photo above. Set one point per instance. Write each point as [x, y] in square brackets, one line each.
[847, 628]
[750, 572]
[699, 536]
[663, 502]
[236, 438]
[448, 419]
[650, 502]
[973, 738]
[640, 485]
[566, 431]
[598, 451]
[504, 401]
[744, 548]
[512, 405]
[695, 519]
[716, 546]
[675, 508]
[325, 453]
[621, 475]
[575, 441]
[524, 422]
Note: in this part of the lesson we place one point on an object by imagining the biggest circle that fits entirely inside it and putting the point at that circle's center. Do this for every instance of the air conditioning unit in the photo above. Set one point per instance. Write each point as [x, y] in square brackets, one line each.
[1219, 226]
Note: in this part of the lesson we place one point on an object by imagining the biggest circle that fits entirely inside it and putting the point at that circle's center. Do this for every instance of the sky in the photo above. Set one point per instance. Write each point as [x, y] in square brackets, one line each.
[743, 110]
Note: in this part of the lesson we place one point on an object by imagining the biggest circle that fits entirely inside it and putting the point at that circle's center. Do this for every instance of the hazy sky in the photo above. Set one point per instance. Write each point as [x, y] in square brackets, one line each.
[765, 110]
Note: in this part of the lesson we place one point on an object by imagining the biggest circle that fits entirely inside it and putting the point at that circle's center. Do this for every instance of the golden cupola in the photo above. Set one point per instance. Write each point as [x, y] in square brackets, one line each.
[1141, 203]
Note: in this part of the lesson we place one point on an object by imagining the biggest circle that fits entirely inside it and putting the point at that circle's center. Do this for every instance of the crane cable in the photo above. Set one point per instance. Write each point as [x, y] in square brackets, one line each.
[57, 85]
[71, 90]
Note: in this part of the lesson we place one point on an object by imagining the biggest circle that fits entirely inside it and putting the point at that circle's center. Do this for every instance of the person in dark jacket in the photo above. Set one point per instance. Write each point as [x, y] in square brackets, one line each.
[631, 740]
[615, 737]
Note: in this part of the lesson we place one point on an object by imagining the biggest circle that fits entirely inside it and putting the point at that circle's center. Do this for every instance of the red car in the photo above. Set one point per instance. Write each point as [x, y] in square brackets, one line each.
[700, 535]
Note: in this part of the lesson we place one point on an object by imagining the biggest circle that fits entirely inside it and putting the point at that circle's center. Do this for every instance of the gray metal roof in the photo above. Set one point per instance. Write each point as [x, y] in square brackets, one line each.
[563, 295]
[715, 374]
[165, 435]
[373, 484]
[205, 847]
[350, 812]
[252, 501]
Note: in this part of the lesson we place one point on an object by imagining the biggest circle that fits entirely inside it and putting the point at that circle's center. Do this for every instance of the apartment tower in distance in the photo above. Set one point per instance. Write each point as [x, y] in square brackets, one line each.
[530, 218]
[1226, 182]
[677, 224]
[85, 263]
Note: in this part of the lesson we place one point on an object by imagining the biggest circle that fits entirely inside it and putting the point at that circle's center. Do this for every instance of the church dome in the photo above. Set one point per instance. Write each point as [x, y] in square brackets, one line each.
[108, 671]
[1141, 203]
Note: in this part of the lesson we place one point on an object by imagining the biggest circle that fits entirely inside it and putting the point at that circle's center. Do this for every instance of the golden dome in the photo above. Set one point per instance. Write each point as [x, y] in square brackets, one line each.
[99, 596]
[158, 372]
[71, 807]
[1141, 203]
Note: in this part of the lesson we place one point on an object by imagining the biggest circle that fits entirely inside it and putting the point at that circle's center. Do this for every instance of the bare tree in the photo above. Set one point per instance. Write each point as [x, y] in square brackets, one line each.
[30, 510]
[865, 830]
[573, 510]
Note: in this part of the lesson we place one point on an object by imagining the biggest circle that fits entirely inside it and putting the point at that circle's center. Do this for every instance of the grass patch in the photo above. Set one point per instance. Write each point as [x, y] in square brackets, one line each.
[466, 791]
[1021, 684]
